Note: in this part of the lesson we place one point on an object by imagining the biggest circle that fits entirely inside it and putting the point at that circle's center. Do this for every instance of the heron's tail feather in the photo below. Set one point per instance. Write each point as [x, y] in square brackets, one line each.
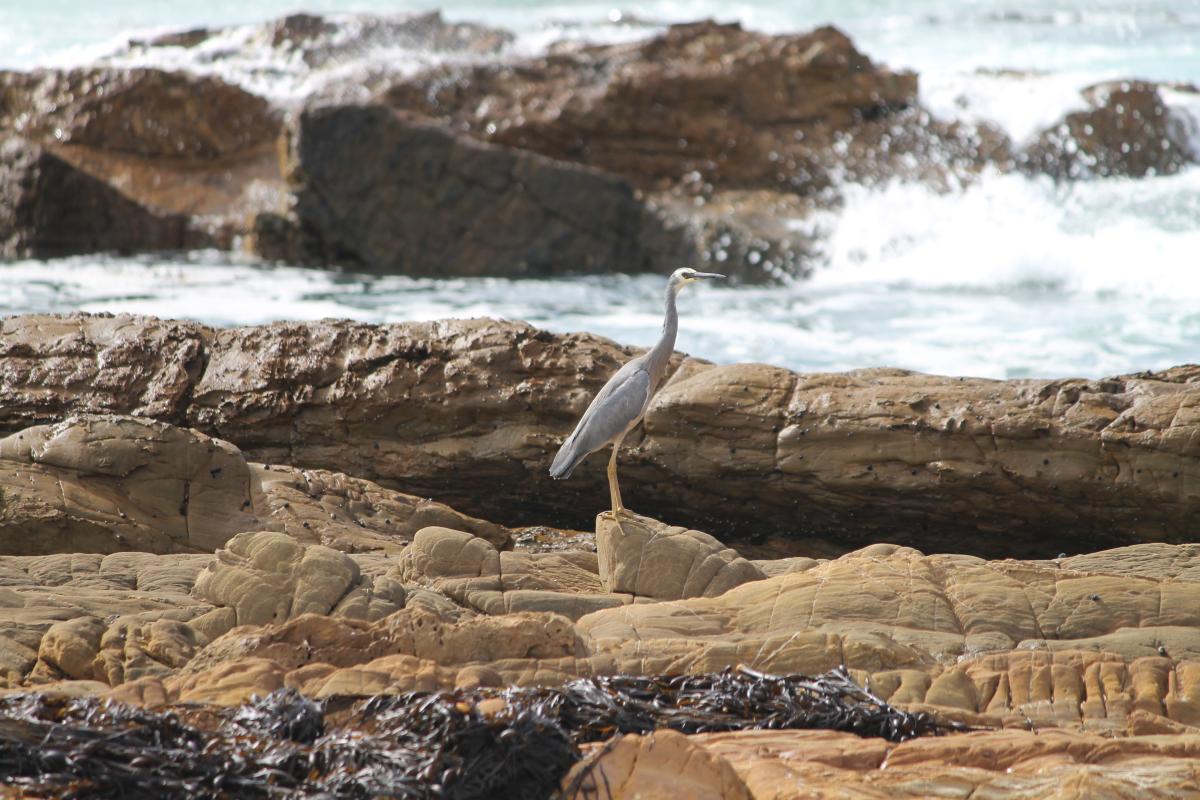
[567, 459]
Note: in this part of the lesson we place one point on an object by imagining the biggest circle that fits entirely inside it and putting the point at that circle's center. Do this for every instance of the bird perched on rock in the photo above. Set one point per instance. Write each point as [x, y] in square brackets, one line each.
[623, 401]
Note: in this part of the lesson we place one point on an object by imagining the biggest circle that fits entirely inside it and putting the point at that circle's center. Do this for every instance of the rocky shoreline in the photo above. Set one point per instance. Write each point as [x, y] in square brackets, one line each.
[204, 516]
[326, 558]
[704, 144]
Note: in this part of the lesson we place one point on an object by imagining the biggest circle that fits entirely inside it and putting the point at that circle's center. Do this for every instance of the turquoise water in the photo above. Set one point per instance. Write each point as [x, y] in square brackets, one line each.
[1159, 39]
[1009, 277]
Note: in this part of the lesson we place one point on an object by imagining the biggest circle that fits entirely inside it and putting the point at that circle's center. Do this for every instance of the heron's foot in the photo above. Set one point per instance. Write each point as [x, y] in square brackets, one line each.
[621, 512]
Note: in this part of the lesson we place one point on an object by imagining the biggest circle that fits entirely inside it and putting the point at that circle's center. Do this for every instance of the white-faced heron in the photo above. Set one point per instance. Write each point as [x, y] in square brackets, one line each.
[623, 401]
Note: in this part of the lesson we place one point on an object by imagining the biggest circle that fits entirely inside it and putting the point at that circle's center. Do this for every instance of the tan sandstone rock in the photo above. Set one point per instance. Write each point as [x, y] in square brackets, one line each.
[663, 765]
[107, 483]
[68, 649]
[446, 640]
[269, 577]
[646, 558]
[1008, 765]
[353, 514]
[471, 572]
[1004, 643]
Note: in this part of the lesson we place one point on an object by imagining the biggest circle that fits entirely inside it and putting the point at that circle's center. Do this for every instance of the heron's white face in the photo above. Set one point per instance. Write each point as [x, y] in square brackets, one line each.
[686, 275]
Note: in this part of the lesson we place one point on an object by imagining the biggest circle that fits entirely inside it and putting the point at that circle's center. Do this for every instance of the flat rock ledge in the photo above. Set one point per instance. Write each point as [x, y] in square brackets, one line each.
[471, 412]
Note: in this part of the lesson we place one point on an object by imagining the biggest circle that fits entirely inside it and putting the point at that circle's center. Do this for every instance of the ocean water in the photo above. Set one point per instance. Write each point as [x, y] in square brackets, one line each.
[1008, 277]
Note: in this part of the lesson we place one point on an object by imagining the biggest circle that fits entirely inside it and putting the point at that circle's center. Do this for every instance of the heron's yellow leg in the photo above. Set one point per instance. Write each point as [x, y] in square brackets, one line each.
[614, 490]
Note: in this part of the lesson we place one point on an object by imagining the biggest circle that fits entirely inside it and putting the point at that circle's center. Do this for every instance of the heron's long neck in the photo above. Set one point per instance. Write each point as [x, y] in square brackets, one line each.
[661, 352]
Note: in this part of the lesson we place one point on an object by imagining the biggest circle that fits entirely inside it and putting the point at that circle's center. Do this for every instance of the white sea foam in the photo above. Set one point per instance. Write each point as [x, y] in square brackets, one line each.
[1008, 231]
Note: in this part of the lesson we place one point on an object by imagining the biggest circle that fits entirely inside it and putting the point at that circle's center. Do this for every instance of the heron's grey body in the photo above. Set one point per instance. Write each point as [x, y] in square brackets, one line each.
[620, 405]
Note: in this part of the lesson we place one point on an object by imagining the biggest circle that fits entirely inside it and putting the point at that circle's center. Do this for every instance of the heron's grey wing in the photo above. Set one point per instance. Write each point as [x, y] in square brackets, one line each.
[616, 408]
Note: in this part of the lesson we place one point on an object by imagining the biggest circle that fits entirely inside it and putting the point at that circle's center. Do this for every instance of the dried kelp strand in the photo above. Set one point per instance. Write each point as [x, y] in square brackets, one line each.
[418, 746]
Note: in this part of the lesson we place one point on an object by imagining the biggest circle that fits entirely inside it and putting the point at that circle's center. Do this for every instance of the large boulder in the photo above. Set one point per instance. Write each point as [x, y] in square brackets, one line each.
[144, 112]
[103, 484]
[1126, 130]
[379, 192]
[731, 134]
[741, 450]
[50, 207]
[131, 160]
[644, 557]
[701, 105]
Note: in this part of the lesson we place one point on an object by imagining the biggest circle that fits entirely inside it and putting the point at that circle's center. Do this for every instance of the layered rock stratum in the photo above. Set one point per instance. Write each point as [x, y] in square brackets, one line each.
[469, 413]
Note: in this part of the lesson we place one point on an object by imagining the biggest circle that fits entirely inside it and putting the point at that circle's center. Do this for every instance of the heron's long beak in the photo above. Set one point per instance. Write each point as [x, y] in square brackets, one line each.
[707, 275]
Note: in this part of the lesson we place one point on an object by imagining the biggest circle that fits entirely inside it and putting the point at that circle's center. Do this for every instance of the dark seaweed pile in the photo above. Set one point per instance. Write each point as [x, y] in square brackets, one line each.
[417, 745]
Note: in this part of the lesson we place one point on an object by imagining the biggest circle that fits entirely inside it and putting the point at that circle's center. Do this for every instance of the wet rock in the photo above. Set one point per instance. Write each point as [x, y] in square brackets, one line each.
[50, 207]
[131, 160]
[1127, 130]
[433, 202]
[704, 116]
[55, 366]
[145, 112]
[647, 558]
[749, 235]
[321, 41]
[740, 109]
